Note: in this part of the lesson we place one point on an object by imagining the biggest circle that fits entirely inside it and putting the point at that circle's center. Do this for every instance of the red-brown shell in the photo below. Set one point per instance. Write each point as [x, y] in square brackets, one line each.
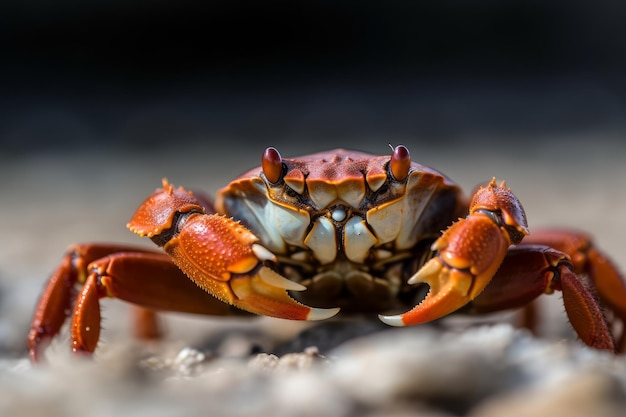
[338, 167]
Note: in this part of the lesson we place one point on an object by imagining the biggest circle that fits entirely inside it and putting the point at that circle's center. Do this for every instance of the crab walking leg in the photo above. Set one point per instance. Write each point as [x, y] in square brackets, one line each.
[469, 254]
[58, 296]
[219, 255]
[589, 261]
[529, 271]
[149, 280]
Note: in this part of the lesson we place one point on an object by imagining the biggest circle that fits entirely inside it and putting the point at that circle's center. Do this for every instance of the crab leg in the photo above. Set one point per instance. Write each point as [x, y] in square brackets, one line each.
[55, 302]
[469, 254]
[220, 255]
[529, 271]
[588, 260]
[591, 262]
[149, 280]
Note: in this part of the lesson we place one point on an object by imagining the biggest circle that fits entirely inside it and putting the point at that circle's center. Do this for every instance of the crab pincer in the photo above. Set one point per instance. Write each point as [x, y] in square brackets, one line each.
[220, 255]
[469, 254]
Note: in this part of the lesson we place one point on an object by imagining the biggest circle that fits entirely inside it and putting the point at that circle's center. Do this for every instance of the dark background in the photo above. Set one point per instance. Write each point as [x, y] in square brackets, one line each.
[151, 74]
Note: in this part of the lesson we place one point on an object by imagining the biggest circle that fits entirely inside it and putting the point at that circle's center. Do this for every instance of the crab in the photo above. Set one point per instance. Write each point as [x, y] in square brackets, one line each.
[304, 238]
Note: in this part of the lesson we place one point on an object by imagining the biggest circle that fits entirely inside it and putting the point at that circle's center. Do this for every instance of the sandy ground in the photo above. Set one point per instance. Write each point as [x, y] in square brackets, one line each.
[238, 367]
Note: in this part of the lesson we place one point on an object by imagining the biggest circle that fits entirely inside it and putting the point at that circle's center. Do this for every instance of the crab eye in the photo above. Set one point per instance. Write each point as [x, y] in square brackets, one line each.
[400, 163]
[272, 165]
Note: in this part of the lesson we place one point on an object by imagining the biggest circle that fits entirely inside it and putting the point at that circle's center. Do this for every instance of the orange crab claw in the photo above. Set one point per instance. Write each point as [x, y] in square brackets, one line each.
[220, 255]
[470, 252]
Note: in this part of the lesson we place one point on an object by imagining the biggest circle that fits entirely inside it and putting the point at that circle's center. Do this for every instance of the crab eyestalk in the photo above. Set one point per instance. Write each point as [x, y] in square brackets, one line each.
[272, 165]
[468, 255]
[400, 163]
[220, 255]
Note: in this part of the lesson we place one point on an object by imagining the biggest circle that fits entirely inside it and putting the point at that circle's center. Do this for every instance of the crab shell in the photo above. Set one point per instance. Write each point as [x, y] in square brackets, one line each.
[342, 216]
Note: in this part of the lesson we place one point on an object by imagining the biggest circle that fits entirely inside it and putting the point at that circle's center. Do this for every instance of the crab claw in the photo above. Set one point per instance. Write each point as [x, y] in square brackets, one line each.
[469, 254]
[450, 289]
[220, 255]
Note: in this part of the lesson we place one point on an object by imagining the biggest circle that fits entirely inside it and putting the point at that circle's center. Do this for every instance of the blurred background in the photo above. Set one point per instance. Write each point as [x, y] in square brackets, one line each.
[101, 99]
[147, 74]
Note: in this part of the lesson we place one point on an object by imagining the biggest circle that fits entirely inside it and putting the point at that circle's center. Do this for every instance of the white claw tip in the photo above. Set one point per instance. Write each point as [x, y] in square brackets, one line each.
[322, 313]
[395, 321]
[428, 273]
[263, 253]
[272, 278]
[414, 280]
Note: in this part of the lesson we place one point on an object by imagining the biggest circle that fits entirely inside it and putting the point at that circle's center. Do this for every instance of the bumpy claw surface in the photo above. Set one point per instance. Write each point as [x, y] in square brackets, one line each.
[469, 254]
[221, 256]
